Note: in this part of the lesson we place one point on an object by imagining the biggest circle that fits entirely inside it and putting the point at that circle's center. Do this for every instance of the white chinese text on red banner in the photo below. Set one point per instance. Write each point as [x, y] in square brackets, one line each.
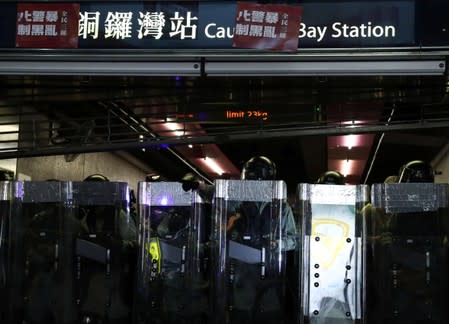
[266, 26]
[47, 25]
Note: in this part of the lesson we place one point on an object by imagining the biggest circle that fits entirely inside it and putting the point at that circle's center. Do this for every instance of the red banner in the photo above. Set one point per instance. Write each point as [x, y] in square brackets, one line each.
[47, 25]
[265, 26]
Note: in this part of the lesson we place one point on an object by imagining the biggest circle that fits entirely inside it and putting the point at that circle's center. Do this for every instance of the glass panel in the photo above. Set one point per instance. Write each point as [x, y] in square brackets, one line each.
[332, 253]
[37, 250]
[104, 252]
[253, 228]
[407, 250]
[172, 284]
[5, 207]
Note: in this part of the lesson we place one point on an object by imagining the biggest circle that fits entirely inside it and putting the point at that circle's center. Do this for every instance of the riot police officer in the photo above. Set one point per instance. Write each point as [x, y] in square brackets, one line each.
[105, 252]
[262, 168]
[257, 298]
[406, 270]
[378, 236]
[248, 227]
[256, 168]
[41, 240]
[172, 283]
[416, 171]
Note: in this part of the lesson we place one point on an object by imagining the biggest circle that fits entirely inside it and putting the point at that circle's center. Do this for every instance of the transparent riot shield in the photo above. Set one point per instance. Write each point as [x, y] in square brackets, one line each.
[332, 253]
[6, 197]
[407, 250]
[253, 228]
[39, 248]
[105, 253]
[172, 285]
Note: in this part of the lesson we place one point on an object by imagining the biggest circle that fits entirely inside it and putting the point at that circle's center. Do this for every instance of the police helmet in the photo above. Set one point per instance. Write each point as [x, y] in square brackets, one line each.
[259, 168]
[96, 215]
[153, 177]
[6, 175]
[416, 171]
[391, 179]
[96, 177]
[331, 177]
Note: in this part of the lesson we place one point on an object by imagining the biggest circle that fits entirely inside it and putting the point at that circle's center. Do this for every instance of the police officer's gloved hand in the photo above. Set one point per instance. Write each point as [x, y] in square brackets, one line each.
[190, 182]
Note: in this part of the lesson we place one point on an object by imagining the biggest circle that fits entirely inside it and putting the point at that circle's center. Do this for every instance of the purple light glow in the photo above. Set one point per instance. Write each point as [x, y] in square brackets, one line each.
[165, 200]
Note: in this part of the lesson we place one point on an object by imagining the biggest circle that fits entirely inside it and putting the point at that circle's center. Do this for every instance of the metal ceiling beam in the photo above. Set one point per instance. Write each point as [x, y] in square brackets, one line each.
[303, 54]
[137, 125]
[353, 68]
[107, 63]
[108, 68]
[221, 138]
[415, 140]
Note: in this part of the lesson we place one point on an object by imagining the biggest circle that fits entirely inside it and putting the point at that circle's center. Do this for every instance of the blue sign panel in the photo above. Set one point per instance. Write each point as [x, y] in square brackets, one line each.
[8, 14]
[199, 25]
[210, 25]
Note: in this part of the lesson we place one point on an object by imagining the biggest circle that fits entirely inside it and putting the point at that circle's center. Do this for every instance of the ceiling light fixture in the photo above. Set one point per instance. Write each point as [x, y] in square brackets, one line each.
[175, 127]
[353, 123]
[213, 165]
[140, 141]
[9, 138]
[346, 168]
[350, 141]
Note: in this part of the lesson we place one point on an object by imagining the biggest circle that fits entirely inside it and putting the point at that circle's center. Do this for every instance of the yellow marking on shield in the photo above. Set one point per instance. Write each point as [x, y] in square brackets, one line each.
[333, 234]
[153, 248]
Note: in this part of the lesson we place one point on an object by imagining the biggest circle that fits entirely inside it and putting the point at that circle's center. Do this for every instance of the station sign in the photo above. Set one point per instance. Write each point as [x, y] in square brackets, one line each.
[211, 25]
[205, 25]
